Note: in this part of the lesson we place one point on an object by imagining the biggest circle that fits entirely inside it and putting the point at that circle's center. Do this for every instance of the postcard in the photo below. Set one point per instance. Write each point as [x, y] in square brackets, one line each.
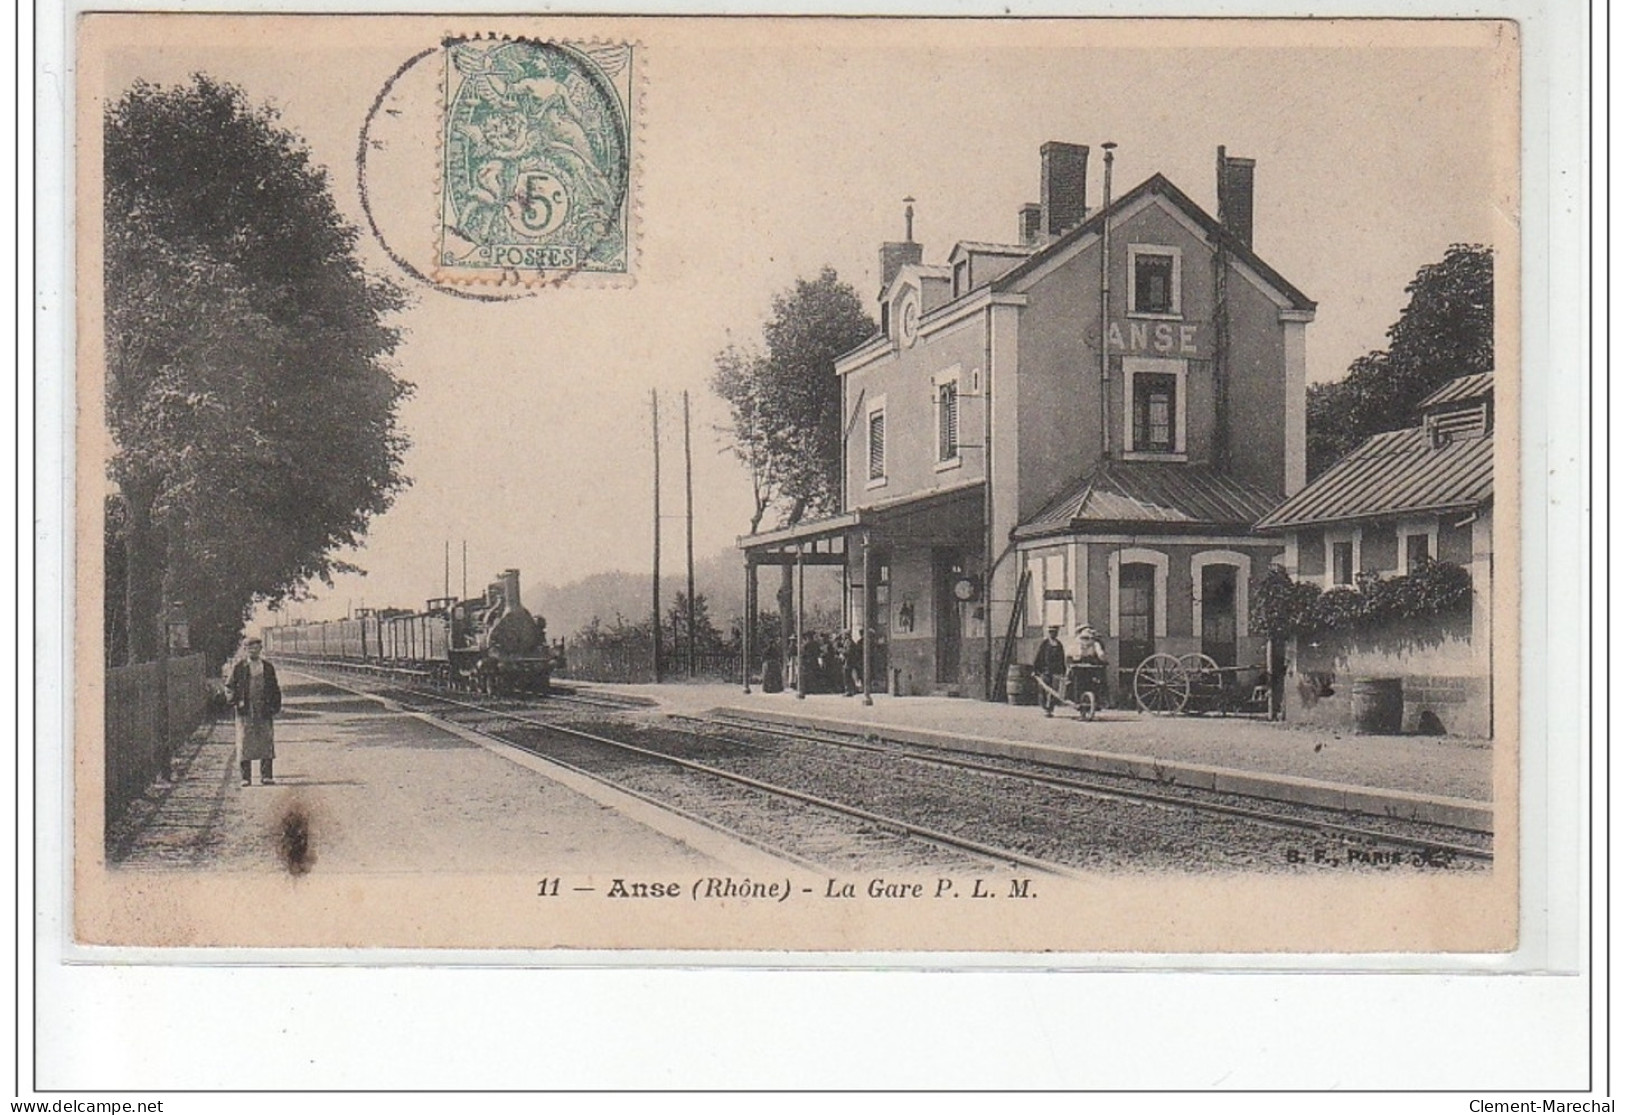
[1000, 486]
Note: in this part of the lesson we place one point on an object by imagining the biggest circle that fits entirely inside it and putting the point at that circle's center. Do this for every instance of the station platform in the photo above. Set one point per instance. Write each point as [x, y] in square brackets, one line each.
[381, 790]
[1435, 778]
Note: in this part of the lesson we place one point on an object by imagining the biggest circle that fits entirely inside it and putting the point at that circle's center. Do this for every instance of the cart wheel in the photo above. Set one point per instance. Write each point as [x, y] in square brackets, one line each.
[1161, 685]
[1086, 705]
[1206, 682]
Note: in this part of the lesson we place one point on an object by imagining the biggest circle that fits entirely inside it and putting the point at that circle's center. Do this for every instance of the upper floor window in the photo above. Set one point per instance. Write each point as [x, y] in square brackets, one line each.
[1154, 280]
[961, 277]
[877, 445]
[1154, 413]
[1154, 422]
[947, 388]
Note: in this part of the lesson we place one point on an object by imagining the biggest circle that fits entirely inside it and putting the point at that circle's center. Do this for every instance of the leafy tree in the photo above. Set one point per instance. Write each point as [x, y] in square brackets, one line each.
[786, 398]
[249, 392]
[707, 639]
[1446, 330]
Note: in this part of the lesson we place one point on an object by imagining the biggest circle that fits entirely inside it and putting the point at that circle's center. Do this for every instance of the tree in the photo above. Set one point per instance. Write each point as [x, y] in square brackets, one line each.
[249, 393]
[1447, 329]
[707, 639]
[786, 398]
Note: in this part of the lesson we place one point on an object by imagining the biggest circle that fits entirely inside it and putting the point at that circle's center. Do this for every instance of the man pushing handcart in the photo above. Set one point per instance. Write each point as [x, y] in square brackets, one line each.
[1073, 675]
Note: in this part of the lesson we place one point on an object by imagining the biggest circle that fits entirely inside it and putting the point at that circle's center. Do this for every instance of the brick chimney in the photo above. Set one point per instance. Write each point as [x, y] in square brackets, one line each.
[1063, 180]
[897, 254]
[1236, 196]
[1029, 223]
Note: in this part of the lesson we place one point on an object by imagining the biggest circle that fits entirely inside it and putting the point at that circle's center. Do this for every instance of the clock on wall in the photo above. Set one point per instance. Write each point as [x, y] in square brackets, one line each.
[967, 589]
[908, 318]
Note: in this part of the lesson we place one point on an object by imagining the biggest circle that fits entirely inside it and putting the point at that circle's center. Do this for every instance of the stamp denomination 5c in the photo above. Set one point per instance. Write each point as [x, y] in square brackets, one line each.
[535, 161]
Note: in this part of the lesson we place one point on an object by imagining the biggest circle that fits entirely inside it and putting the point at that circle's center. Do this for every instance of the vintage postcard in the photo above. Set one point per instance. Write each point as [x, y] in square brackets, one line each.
[1024, 486]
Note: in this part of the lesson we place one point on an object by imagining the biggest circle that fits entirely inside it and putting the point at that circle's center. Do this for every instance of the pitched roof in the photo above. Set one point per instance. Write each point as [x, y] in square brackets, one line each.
[988, 248]
[1392, 474]
[1157, 184]
[1461, 388]
[1137, 493]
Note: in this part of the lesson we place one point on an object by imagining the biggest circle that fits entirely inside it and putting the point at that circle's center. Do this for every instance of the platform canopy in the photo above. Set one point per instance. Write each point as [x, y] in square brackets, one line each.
[937, 515]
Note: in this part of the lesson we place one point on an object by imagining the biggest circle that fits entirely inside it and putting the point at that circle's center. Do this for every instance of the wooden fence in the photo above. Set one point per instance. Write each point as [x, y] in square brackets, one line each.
[622, 664]
[141, 733]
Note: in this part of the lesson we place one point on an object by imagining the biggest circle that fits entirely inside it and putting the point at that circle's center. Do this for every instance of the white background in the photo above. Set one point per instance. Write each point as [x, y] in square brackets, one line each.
[1523, 1023]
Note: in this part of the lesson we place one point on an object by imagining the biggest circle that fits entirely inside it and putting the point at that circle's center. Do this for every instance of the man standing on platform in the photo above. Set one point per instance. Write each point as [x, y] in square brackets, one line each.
[1050, 668]
[257, 698]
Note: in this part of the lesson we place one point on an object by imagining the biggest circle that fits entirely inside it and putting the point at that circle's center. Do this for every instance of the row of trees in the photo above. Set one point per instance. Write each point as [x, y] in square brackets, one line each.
[250, 396]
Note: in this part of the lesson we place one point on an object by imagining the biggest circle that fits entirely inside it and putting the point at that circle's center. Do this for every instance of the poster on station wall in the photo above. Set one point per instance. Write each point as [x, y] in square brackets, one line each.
[1019, 487]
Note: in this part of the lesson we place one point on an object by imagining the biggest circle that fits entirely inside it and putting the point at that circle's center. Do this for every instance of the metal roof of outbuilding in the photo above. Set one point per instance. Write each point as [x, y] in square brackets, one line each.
[1395, 473]
[1155, 493]
[1460, 389]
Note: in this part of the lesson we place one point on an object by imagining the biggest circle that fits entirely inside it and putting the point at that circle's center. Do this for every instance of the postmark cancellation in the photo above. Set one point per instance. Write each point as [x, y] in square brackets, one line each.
[535, 161]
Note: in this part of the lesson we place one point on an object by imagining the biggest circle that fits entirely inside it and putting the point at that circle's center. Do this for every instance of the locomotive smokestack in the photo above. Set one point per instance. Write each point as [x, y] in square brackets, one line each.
[509, 580]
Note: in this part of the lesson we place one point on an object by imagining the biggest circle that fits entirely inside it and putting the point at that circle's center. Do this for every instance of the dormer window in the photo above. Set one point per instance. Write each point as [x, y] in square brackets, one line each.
[961, 277]
[1154, 280]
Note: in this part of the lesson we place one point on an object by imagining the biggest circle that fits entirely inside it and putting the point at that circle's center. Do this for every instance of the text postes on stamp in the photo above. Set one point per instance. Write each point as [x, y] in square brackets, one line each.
[535, 161]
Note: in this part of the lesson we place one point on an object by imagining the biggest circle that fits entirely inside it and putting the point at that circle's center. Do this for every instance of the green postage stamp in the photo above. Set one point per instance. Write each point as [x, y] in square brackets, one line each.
[536, 145]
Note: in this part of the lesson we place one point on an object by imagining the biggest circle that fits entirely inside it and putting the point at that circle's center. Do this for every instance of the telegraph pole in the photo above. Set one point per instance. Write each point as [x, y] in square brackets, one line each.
[465, 569]
[688, 482]
[654, 406]
[1105, 310]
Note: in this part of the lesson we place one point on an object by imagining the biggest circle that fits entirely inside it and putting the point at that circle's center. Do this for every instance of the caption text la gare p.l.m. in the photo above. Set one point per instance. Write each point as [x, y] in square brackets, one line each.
[721, 888]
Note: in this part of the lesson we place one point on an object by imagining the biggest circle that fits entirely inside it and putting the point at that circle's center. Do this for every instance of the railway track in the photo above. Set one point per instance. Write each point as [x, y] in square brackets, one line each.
[985, 810]
[1446, 841]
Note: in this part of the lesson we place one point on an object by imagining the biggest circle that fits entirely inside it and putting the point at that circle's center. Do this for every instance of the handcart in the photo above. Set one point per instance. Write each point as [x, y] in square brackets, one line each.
[1084, 689]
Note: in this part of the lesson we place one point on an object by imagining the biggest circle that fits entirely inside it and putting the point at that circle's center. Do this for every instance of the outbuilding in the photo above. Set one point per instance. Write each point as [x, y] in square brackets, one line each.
[1403, 500]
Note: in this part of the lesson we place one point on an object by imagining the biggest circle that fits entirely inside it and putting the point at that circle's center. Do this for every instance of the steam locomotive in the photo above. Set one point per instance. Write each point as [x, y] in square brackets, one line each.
[490, 643]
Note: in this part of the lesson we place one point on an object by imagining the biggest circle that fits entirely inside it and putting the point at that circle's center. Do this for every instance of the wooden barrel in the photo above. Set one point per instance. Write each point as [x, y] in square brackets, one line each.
[1018, 685]
[1379, 706]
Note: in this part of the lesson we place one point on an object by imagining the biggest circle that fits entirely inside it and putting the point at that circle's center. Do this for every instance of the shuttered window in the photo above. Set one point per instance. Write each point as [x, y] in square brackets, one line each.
[877, 445]
[947, 421]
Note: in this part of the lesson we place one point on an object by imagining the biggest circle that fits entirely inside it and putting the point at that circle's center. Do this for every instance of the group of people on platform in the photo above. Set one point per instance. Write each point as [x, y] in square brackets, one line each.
[828, 662]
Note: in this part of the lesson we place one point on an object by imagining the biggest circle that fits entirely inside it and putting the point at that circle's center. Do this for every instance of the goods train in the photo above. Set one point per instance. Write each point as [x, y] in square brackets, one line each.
[490, 643]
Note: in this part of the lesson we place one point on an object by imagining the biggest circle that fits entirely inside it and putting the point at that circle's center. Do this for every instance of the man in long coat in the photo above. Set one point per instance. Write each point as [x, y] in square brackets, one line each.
[1050, 667]
[255, 695]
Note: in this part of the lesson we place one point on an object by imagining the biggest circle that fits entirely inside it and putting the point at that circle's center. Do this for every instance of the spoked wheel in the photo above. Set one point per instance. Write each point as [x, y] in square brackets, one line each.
[1161, 685]
[1206, 681]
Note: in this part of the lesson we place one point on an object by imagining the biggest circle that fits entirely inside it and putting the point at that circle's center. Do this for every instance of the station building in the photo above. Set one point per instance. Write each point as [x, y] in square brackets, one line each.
[1081, 425]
